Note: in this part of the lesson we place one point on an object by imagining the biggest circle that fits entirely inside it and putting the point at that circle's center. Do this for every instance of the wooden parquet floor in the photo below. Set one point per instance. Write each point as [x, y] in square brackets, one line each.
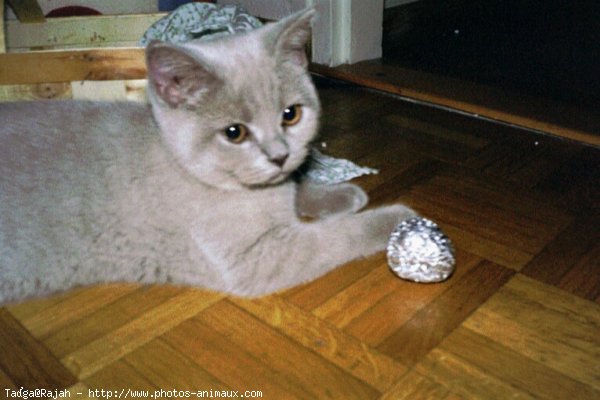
[520, 318]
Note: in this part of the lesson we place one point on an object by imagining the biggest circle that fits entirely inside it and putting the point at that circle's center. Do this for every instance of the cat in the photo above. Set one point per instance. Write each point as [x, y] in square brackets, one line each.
[194, 189]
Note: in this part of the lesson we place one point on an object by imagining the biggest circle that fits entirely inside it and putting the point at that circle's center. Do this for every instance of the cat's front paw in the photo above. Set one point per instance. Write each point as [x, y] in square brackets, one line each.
[319, 201]
[385, 219]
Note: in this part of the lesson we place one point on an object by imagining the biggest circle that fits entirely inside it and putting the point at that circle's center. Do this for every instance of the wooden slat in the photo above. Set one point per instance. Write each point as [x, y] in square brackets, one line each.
[310, 296]
[118, 380]
[97, 354]
[401, 305]
[97, 323]
[468, 380]
[573, 350]
[76, 65]
[574, 258]
[574, 181]
[342, 308]
[25, 361]
[307, 370]
[232, 364]
[27, 10]
[37, 91]
[523, 160]
[416, 386]
[322, 338]
[467, 197]
[82, 32]
[444, 314]
[499, 253]
[167, 368]
[113, 90]
[6, 382]
[72, 308]
[497, 362]
[28, 309]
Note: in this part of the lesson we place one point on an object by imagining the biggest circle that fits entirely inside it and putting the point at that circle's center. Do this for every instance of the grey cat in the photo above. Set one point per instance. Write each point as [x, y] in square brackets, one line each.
[195, 190]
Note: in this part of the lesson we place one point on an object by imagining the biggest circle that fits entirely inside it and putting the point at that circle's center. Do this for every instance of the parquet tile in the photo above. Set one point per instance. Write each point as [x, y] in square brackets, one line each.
[518, 319]
[157, 356]
[548, 326]
[309, 371]
[6, 382]
[232, 364]
[342, 308]
[73, 307]
[571, 260]
[312, 295]
[401, 305]
[513, 222]
[468, 380]
[95, 355]
[431, 324]
[24, 360]
[503, 364]
[117, 378]
[574, 182]
[345, 351]
[416, 386]
[96, 324]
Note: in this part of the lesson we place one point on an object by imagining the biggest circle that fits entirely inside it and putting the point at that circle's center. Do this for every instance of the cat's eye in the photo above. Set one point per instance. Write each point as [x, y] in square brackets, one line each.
[291, 115]
[236, 133]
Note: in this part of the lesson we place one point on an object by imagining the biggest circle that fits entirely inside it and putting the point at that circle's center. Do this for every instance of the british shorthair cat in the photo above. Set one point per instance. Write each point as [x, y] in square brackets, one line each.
[195, 189]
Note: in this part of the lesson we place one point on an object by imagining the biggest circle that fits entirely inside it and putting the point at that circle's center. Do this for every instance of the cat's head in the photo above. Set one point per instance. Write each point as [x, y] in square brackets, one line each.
[238, 111]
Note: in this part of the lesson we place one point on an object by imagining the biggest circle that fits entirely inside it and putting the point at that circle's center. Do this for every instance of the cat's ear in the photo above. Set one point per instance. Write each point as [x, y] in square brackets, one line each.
[291, 36]
[178, 77]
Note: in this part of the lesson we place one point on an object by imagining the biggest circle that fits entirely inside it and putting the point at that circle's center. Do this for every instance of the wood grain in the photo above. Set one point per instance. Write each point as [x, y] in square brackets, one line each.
[416, 386]
[426, 329]
[92, 357]
[37, 91]
[484, 354]
[531, 329]
[401, 305]
[232, 364]
[322, 338]
[73, 65]
[156, 357]
[71, 308]
[466, 379]
[24, 360]
[79, 332]
[300, 366]
[310, 296]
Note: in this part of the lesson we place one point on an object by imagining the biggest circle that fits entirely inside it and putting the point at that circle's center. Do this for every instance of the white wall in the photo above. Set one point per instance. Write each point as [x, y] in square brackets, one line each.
[269, 9]
[345, 31]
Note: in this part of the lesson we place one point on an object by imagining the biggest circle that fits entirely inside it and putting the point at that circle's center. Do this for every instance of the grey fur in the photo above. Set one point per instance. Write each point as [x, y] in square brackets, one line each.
[99, 192]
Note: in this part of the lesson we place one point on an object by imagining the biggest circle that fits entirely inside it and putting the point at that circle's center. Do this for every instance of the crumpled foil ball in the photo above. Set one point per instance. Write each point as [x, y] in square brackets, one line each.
[420, 252]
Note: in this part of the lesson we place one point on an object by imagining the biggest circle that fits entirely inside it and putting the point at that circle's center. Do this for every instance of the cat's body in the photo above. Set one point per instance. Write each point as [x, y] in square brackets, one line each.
[98, 192]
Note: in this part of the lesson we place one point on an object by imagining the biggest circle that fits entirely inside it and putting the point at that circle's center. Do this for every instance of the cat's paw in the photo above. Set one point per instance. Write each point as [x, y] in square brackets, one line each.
[320, 201]
[385, 219]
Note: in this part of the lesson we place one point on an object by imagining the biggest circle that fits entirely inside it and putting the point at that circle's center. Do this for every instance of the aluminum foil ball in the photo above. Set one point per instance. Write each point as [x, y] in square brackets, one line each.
[419, 251]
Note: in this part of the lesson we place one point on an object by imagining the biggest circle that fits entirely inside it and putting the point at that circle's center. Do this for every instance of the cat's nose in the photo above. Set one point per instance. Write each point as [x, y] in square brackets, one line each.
[279, 160]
